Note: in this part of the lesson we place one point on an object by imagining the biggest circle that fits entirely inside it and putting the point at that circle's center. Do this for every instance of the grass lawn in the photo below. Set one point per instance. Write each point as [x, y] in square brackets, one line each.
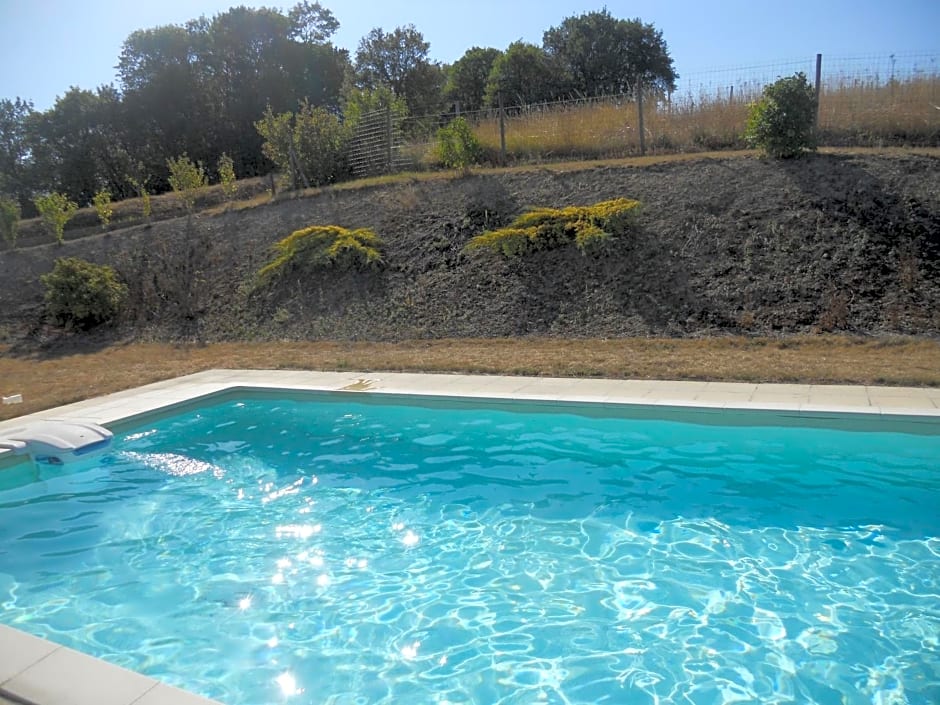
[49, 381]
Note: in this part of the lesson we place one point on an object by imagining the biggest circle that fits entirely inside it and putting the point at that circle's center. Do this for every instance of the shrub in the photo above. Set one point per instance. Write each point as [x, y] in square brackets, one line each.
[186, 178]
[103, 207]
[226, 169]
[325, 247]
[549, 228]
[81, 294]
[9, 219]
[55, 210]
[457, 146]
[782, 122]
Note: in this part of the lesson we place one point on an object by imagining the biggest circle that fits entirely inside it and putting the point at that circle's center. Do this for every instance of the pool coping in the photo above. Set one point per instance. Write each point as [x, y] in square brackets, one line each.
[36, 671]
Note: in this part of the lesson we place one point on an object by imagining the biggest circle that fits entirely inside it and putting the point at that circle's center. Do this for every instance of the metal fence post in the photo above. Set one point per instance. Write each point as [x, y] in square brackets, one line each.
[388, 137]
[818, 87]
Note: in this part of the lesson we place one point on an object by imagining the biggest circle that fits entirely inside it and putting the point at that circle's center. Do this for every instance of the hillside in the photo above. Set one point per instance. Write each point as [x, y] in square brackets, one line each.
[722, 245]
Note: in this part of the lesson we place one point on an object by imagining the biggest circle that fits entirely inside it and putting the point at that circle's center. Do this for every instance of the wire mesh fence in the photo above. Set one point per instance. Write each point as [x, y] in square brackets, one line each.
[865, 100]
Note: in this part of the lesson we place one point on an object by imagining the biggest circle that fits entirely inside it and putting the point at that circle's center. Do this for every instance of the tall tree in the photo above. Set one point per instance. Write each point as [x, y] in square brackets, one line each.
[601, 54]
[76, 146]
[15, 116]
[466, 78]
[199, 88]
[523, 74]
[311, 23]
[171, 106]
[399, 60]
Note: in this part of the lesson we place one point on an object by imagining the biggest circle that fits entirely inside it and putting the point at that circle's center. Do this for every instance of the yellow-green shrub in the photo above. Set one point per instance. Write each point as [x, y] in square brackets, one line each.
[549, 228]
[325, 247]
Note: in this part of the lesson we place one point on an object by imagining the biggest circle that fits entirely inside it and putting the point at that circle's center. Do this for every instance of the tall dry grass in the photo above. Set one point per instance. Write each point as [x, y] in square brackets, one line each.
[852, 112]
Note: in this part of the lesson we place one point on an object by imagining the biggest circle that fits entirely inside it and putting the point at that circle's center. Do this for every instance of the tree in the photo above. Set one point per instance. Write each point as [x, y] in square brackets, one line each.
[15, 117]
[186, 179]
[782, 122]
[226, 169]
[309, 145]
[169, 103]
[311, 23]
[600, 54]
[77, 145]
[103, 207]
[466, 78]
[399, 61]
[200, 87]
[55, 210]
[523, 74]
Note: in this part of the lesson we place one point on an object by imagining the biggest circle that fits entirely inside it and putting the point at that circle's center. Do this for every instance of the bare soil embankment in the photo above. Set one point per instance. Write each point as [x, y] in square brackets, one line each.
[736, 245]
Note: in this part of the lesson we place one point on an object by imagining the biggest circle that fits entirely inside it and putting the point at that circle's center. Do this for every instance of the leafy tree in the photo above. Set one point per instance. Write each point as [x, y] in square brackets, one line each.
[186, 178]
[15, 116]
[170, 103]
[782, 122]
[9, 219]
[523, 74]
[82, 294]
[103, 207]
[311, 23]
[601, 54]
[309, 144]
[399, 61]
[78, 145]
[466, 78]
[198, 88]
[56, 210]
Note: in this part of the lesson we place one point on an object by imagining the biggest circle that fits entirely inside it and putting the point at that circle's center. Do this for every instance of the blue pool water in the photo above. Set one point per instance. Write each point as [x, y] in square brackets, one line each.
[276, 550]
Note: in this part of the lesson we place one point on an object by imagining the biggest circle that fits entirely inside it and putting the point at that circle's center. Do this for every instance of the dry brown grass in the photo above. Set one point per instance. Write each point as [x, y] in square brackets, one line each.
[47, 382]
[851, 112]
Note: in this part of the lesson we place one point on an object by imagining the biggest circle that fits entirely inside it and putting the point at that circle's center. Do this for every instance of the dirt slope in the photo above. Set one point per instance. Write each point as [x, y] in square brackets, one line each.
[830, 242]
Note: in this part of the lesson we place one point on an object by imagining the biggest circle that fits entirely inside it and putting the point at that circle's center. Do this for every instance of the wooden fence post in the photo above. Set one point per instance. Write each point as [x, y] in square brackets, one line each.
[502, 129]
[639, 107]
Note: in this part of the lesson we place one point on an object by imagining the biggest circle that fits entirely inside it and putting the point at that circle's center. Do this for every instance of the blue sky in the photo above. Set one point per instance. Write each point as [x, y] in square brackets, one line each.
[46, 46]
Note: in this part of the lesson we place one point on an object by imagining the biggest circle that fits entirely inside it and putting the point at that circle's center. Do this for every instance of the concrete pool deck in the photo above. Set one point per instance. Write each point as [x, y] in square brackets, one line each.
[38, 672]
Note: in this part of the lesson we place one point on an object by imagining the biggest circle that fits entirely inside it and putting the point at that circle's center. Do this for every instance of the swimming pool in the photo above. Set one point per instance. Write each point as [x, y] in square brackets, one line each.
[337, 550]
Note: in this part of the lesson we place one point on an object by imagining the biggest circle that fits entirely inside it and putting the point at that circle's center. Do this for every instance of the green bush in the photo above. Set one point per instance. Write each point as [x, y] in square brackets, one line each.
[82, 295]
[457, 146]
[325, 247]
[9, 219]
[186, 178]
[782, 122]
[55, 210]
[550, 228]
[103, 207]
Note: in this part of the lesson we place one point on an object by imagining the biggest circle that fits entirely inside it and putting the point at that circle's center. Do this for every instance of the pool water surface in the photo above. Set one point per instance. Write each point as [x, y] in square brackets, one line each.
[334, 551]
